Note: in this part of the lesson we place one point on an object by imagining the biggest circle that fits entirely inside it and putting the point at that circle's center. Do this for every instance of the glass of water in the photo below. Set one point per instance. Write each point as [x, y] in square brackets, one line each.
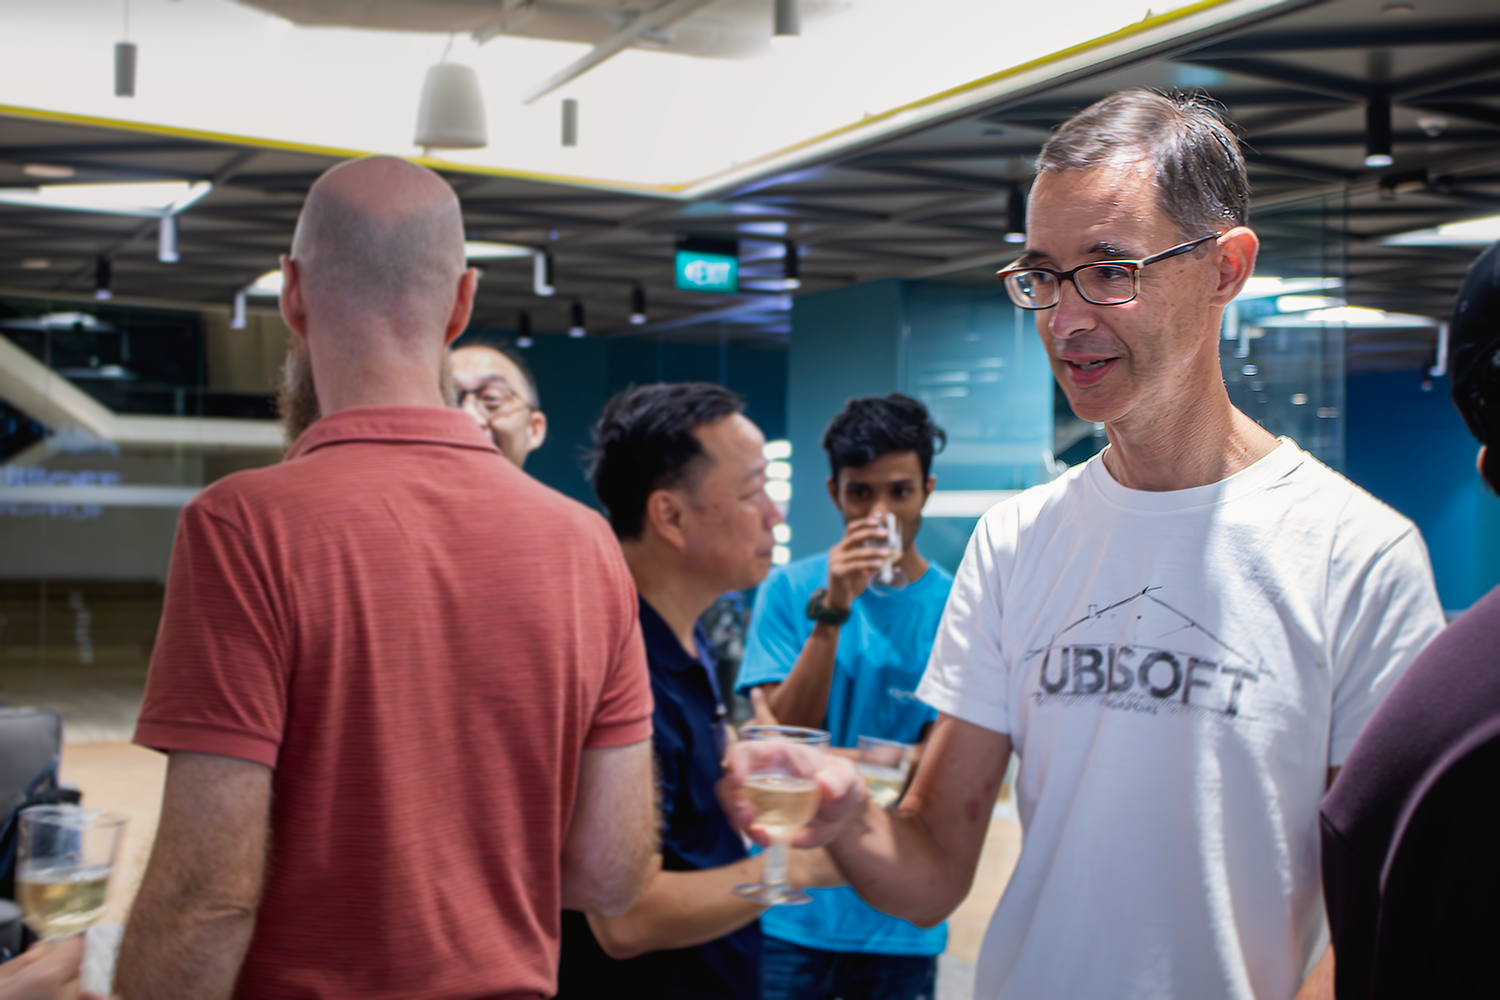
[64, 858]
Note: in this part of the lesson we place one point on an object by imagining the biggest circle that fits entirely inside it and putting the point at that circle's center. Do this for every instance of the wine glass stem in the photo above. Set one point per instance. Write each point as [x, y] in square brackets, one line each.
[775, 873]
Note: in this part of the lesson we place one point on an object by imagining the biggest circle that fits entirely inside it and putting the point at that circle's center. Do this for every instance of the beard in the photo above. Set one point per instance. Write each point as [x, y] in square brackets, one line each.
[297, 400]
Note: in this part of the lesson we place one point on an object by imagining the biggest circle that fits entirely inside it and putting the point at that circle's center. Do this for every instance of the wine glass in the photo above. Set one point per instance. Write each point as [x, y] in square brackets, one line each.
[784, 791]
[64, 858]
[885, 765]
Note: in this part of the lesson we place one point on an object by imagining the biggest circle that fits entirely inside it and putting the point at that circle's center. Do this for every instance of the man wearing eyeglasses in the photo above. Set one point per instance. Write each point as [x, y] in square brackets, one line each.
[1180, 638]
[495, 387]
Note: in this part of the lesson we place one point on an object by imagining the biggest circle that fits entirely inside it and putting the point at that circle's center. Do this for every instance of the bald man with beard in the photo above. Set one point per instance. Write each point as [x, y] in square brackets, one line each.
[376, 786]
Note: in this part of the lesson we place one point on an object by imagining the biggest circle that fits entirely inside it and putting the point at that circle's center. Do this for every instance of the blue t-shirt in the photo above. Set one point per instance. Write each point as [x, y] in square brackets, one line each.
[882, 653]
[688, 735]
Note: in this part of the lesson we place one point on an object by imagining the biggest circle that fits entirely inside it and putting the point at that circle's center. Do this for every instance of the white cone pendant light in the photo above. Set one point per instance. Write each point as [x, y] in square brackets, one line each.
[451, 115]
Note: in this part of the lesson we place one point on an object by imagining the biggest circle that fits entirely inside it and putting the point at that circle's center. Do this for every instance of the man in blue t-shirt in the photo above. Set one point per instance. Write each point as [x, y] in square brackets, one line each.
[835, 648]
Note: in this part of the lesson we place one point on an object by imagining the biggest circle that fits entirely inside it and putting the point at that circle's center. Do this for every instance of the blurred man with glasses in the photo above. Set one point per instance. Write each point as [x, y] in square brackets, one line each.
[1180, 638]
[495, 386]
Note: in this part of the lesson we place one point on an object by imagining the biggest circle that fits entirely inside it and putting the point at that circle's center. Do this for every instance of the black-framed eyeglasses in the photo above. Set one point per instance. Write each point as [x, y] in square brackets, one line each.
[494, 397]
[1104, 282]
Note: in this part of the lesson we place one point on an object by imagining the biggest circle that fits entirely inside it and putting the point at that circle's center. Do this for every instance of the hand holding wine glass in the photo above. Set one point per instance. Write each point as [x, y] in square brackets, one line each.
[841, 793]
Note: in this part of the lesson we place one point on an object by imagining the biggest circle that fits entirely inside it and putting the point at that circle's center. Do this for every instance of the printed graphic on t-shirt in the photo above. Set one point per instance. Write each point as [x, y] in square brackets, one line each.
[1140, 654]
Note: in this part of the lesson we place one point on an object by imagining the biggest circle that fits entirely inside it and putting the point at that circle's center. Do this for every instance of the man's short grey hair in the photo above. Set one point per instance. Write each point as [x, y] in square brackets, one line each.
[1201, 184]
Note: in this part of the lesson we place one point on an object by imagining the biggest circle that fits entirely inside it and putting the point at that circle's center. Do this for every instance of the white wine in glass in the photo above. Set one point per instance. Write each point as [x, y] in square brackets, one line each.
[784, 791]
[886, 766]
[63, 862]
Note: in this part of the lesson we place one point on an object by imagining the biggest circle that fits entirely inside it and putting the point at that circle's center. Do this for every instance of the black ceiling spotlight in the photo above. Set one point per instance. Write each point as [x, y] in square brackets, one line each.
[102, 274]
[523, 329]
[1015, 216]
[125, 62]
[637, 306]
[576, 328]
[791, 267]
[1378, 131]
[541, 274]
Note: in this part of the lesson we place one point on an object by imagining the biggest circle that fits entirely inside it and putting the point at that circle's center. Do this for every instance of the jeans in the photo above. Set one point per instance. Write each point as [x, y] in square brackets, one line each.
[792, 972]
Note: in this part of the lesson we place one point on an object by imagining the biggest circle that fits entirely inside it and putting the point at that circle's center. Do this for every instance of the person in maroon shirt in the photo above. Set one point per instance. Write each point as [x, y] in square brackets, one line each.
[390, 768]
[1411, 875]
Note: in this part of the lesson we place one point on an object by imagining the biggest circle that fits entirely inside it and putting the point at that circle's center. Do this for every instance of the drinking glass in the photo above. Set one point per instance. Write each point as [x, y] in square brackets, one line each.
[784, 791]
[63, 861]
[885, 765]
[889, 574]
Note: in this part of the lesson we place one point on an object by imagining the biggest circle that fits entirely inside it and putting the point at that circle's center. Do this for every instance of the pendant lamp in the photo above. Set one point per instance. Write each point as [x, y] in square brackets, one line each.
[451, 115]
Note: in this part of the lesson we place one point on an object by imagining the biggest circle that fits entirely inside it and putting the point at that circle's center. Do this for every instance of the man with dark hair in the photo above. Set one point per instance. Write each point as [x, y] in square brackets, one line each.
[1180, 638]
[386, 777]
[681, 473]
[1410, 872]
[835, 649]
[494, 385]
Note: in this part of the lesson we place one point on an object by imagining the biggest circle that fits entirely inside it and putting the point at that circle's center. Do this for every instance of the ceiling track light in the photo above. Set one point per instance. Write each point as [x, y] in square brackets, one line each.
[1378, 131]
[569, 122]
[541, 274]
[791, 267]
[166, 240]
[1015, 216]
[577, 328]
[637, 306]
[523, 329]
[788, 19]
[103, 273]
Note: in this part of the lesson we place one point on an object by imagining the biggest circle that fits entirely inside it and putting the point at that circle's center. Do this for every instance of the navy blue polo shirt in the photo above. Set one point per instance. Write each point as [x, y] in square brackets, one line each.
[689, 728]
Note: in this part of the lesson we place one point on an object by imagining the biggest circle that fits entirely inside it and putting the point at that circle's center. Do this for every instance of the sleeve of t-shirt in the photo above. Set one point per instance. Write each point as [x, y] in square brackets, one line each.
[623, 716]
[774, 640]
[968, 676]
[218, 673]
[1392, 611]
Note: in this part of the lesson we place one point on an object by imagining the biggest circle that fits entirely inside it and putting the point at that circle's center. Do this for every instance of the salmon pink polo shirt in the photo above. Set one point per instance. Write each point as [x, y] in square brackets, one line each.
[420, 640]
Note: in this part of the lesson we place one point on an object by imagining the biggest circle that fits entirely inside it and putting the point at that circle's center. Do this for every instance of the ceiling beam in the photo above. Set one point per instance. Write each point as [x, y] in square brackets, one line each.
[655, 19]
[1394, 35]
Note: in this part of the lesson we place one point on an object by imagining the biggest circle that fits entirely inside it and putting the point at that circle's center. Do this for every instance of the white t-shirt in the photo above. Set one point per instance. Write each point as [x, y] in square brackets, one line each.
[1177, 672]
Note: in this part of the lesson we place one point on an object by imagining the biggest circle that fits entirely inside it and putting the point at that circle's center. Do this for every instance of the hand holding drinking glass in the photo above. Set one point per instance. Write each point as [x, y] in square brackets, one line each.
[783, 789]
[63, 862]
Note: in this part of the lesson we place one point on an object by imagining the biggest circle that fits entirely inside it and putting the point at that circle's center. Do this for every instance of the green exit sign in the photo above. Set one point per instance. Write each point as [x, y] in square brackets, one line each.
[701, 271]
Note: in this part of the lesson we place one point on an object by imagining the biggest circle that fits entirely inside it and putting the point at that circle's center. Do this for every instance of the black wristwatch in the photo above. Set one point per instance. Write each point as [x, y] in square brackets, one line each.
[822, 613]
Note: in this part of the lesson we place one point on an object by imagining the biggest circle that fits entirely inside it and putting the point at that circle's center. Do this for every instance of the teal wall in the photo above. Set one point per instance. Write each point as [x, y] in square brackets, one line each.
[964, 351]
[577, 377]
[1411, 449]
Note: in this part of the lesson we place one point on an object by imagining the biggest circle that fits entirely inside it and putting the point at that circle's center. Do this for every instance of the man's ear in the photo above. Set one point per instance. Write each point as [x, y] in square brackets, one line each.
[833, 493]
[665, 515]
[293, 309]
[537, 428]
[463, 306]
[1238, 249]
[927, 489]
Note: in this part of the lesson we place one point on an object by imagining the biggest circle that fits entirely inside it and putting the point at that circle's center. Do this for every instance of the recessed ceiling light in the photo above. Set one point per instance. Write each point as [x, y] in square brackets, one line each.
[479, 250]
[1267, 286]
[151, 199]
[1473, 233]
[47, 170]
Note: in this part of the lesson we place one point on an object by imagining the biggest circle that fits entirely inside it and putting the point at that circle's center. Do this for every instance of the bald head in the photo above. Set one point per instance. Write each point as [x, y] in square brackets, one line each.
[380, 239]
